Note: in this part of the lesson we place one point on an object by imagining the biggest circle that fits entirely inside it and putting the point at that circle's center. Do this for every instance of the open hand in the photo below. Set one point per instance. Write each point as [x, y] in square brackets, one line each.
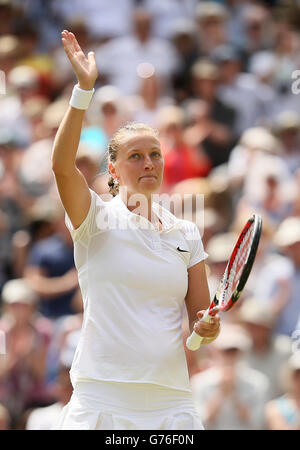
[84, 67]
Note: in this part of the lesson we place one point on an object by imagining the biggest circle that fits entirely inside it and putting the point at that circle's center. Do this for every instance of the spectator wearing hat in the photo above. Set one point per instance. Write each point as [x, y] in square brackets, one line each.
[211, 19]
[268, 352]
[287, 128]
[278, 283]
[27, 335]
[214, 132]
[108, 113]
[258, 176]
[184, 39]
[230, 394]
[283, 413]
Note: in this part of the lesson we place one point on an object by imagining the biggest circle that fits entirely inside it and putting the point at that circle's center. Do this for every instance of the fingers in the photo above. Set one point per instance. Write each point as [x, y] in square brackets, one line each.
[70, 43]
[75, 43]
[91, 57]
[207, 329]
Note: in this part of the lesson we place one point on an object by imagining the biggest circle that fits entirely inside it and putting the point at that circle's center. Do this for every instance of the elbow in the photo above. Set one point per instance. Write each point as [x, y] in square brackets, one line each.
[61, 170]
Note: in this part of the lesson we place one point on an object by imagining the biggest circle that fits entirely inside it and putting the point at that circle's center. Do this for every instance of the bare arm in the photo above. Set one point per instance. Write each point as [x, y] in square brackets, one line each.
[197, 300]
[72, 186]
[52, 287]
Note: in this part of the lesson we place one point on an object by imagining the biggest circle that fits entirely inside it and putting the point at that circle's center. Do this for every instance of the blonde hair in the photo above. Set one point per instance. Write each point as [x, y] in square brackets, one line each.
[116, 142]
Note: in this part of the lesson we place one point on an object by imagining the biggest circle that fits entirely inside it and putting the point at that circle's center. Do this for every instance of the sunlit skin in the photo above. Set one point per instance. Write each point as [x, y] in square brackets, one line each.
[139, 167]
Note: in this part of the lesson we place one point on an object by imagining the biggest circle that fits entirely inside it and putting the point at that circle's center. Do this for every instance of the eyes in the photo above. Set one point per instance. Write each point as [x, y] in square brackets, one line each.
[155, 154]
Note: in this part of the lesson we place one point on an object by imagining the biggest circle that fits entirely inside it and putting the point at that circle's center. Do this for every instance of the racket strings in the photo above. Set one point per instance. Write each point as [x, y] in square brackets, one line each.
[233, 272]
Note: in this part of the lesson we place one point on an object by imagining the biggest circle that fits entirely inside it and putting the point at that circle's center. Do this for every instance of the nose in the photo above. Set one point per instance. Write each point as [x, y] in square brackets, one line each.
[148, 164]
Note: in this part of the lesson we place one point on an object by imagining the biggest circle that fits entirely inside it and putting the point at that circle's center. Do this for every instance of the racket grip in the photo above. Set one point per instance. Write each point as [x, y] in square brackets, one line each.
[194, 341]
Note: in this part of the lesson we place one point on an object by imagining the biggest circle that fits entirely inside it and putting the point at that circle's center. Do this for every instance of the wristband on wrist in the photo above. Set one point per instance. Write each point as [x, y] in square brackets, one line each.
[80, 98]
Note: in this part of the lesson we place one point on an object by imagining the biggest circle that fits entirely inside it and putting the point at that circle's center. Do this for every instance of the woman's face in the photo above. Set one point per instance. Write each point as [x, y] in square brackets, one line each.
[140, 164]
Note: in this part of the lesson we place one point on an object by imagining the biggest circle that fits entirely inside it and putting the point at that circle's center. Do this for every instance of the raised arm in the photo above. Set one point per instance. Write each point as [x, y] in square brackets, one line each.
[72, 186]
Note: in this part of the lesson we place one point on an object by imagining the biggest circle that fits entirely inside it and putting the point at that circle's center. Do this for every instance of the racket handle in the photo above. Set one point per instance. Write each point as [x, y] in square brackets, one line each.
[194, 341]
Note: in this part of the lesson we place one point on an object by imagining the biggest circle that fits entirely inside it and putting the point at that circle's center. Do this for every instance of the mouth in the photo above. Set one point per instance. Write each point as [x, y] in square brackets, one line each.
[149, 177]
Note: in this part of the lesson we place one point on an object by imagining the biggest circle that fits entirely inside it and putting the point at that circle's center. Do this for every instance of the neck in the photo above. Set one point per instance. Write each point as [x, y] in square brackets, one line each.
[140, 204]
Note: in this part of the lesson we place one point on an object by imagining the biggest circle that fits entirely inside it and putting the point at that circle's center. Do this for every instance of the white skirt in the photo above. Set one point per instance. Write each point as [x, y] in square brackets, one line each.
[103, 405]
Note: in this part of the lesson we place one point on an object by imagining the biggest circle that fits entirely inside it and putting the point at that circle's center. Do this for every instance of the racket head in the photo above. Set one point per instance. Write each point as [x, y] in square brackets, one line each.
[239, 266]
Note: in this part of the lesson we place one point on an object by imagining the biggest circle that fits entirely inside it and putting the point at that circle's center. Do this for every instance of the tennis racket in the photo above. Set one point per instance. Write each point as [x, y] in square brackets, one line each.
[235, 276]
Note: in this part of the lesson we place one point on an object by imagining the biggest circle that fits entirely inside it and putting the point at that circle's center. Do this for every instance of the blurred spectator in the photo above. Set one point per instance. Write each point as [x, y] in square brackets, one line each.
[31, 56]
[103, 18]
[4, 418]
[214, 130]
[230, 395]
[258, 33]
[185, 43]
[88, 162]
[8, 16]
[235, 84]
[268, 352]
[287, 128]
[252, 161]
[182, 161]
[283, 413]
[211, 19]
[119, 59]
[41, 217]
[65, 74]
[9, 51]
[46, 417]
[281, 285]
[22, 372]
[166, 14]
[51, 272]
[107, 114]
[145, 106]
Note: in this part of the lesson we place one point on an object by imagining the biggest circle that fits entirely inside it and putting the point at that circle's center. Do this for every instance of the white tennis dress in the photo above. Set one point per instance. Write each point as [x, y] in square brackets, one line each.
[129, 370]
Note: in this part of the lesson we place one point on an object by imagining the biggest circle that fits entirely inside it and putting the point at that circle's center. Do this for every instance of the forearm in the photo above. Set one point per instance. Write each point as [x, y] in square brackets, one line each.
[53, 287]
[66, 142]
[241, 409]
[213, 408]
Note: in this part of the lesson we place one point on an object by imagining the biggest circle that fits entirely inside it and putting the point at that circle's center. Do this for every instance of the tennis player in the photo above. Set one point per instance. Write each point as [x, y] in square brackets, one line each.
[129, 370]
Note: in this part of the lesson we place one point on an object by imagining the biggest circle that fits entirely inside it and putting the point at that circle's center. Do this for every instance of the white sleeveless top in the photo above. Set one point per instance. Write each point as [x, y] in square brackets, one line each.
[133, 282]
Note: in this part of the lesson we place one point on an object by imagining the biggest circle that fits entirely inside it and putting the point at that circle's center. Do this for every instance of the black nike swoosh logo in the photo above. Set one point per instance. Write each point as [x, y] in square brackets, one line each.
[180, 250]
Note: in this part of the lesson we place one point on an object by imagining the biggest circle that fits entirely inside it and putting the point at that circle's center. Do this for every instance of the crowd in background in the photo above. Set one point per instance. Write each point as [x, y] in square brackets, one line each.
[216, 79]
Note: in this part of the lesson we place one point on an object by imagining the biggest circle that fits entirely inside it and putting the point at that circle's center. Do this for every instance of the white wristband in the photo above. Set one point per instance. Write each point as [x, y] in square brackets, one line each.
[80, 98]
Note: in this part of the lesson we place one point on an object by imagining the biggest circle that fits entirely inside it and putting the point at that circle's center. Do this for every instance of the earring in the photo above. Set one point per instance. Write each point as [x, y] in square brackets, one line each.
[116, 182]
